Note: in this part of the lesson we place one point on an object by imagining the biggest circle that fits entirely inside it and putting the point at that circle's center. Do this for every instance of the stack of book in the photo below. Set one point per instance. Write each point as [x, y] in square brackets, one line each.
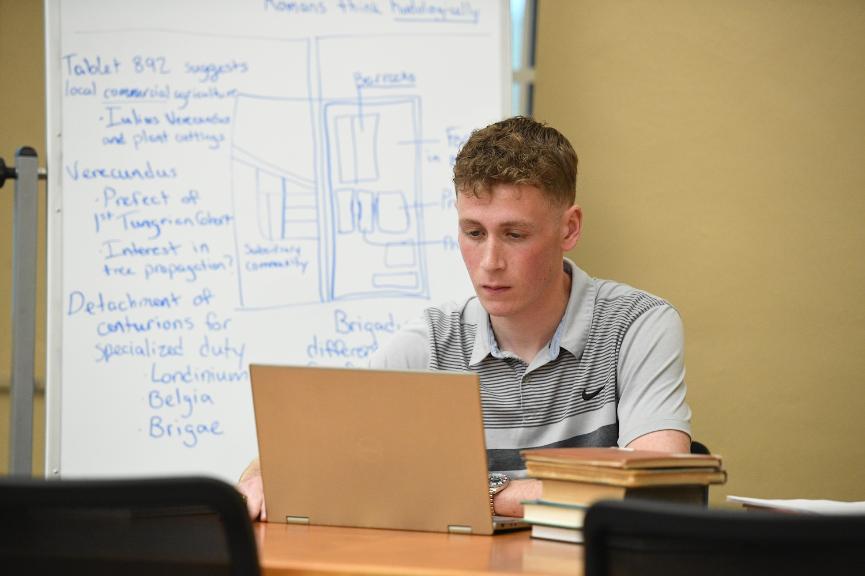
[572, 479]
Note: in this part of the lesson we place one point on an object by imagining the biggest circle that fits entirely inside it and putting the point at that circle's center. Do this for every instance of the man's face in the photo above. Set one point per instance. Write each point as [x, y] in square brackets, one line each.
[512, 241]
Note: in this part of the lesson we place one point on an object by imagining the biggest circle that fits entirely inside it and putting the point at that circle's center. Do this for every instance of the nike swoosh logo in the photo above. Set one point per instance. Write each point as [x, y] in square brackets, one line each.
[590, 396]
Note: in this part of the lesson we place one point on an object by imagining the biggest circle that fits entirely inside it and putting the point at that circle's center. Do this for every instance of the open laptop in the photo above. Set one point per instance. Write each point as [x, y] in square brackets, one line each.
[373, 449]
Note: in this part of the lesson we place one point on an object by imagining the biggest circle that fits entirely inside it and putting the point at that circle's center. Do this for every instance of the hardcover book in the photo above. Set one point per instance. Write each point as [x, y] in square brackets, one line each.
[627, 478]
[620, 458]
[558, 533]
[624, 467]
[587, 493]
[554, 513]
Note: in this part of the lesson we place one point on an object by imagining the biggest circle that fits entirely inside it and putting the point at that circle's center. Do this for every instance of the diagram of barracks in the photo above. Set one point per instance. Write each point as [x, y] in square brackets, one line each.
[327, 194]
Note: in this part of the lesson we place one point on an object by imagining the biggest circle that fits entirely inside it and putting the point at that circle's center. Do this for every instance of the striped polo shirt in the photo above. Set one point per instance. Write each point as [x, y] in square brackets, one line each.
[612, 371]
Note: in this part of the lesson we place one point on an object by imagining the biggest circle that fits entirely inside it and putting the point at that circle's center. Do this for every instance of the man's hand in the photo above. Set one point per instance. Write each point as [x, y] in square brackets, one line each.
[508, 502]
[252, 489]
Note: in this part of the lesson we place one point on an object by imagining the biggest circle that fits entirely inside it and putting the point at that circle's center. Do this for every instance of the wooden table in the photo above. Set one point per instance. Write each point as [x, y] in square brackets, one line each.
[287, 549]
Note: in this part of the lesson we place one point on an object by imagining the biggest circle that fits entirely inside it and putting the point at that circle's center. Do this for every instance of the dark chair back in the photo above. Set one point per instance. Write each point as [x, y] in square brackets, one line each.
[650, 538]
[160, 526]
[699, 448]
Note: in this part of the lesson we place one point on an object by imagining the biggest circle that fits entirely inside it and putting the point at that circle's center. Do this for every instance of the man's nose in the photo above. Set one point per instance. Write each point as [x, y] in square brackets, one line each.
[493, 258]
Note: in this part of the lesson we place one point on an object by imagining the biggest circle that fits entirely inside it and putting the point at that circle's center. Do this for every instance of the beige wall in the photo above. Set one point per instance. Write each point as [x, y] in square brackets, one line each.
[722, 150]
[722, 166]
[22, 122]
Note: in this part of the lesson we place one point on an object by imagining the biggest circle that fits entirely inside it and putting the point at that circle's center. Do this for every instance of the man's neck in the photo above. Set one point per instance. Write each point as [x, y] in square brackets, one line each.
[527, 334]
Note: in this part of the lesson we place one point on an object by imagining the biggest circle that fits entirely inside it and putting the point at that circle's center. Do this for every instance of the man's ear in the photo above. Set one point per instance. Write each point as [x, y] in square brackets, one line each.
[572, 227]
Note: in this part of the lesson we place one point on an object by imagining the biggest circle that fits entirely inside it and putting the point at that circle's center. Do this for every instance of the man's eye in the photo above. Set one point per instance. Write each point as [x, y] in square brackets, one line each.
[515, 236]
[473, 233]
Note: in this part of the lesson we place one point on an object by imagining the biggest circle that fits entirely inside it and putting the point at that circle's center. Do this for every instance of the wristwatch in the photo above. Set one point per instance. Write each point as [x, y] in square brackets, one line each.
[498, 482]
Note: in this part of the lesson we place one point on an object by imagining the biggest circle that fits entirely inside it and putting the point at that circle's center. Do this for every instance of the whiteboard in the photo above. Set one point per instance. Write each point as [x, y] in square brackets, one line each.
[244, 181]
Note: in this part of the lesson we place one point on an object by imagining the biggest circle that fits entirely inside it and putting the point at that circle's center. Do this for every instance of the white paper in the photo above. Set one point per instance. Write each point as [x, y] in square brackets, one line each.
[801, 505]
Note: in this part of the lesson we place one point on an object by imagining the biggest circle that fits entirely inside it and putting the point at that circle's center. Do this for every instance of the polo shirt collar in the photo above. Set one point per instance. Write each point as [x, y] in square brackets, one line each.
[577, 320]
[571, 334]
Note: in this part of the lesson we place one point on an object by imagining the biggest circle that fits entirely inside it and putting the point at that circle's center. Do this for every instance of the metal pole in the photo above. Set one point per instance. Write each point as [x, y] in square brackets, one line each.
[25, 224]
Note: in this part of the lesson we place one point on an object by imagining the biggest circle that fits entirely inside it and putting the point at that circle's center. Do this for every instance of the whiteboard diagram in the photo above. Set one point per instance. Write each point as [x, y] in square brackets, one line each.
[301, 217]
[377, 206]
[277, 203]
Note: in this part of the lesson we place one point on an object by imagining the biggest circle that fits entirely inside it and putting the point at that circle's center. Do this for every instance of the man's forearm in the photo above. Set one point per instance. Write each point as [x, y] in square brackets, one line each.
[663, 441]
[509, 501]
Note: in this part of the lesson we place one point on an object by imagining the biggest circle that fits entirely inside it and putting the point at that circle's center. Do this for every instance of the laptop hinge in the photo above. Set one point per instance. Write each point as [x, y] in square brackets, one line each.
[457, 529]
[297, 519]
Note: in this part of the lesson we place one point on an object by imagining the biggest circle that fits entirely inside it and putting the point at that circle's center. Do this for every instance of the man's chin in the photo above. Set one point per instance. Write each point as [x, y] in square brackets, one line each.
[496, 307]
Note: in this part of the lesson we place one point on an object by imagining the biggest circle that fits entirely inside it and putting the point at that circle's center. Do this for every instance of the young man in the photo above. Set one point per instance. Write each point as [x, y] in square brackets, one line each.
[564, 359]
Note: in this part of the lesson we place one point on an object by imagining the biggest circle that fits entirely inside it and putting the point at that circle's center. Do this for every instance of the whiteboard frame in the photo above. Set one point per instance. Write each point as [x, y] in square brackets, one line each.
[54, 231]
[54, 239]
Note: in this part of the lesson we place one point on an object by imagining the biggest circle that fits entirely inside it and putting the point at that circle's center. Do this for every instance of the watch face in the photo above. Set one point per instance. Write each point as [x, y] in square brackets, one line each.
[498, 481]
